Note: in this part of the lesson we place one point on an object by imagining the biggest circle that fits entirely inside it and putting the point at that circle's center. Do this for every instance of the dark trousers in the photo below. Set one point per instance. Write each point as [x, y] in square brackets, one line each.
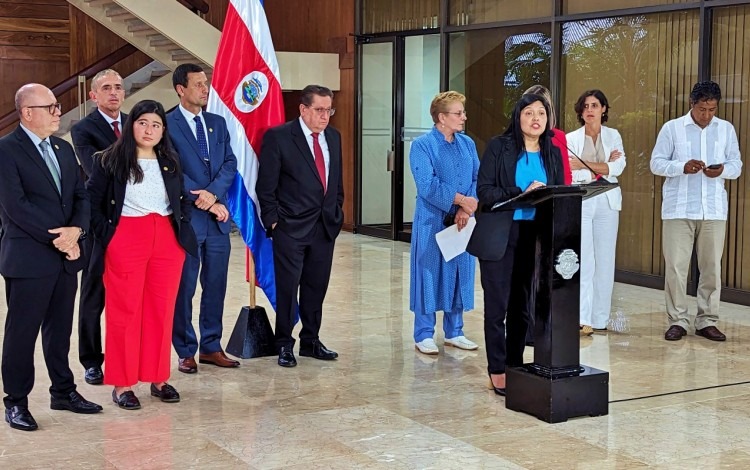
[35, 303]
[91, 306]
[506, 285]
[301, 266]
[213, 264]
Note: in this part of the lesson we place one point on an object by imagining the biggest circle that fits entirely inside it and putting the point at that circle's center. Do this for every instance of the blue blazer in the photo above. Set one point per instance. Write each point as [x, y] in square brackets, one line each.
[222, 161]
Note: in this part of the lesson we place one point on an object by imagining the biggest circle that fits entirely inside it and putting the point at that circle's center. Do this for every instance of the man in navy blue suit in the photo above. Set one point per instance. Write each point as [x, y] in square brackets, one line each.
[209, 166]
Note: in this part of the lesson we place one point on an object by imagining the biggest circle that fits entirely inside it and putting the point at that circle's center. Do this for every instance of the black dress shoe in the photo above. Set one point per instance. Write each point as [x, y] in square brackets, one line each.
[317, 350]
[712, 333]
[286, 357]
[126, 400]
[675, 333]
[76, 403]
[167, 394]
[19, 417]
[94, 376]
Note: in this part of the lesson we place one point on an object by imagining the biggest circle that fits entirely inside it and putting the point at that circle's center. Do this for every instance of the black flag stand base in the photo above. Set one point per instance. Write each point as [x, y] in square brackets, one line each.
[252, 335]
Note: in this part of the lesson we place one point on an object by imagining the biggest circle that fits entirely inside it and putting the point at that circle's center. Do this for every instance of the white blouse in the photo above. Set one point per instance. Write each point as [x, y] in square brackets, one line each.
[149, 196]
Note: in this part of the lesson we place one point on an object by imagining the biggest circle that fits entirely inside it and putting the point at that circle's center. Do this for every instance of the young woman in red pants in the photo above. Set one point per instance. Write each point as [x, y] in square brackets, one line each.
[140, 214]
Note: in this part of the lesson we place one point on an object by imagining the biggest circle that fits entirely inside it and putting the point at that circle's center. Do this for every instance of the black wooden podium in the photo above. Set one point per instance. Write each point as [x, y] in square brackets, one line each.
[556, 386]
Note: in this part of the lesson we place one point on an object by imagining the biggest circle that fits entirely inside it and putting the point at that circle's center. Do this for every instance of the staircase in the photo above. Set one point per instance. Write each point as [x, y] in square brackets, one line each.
[173, 35]
[170, 33]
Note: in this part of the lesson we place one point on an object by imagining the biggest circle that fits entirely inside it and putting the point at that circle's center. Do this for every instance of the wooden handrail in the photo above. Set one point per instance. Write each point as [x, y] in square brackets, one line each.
[71, 82]
[196, 5]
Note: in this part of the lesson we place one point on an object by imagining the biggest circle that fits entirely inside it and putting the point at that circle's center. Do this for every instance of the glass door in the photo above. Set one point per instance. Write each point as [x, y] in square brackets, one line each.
[377, 131]
[399, 77]
[421, 82]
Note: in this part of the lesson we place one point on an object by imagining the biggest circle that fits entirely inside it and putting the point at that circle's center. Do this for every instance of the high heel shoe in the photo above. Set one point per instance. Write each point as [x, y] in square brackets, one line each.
[497, 390]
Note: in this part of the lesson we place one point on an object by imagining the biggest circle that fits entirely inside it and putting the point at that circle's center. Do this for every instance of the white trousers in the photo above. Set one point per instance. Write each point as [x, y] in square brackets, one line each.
[598, 242]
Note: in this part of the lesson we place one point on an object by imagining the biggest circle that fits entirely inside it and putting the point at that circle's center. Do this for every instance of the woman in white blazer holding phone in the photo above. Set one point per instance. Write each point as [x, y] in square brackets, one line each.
[596, 151]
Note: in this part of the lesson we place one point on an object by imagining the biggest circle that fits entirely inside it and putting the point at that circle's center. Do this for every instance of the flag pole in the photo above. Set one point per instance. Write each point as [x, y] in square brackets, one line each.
[251, 276]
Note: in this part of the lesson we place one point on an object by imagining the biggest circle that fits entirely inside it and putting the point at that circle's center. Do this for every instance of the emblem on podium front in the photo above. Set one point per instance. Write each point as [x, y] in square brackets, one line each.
[566, 264]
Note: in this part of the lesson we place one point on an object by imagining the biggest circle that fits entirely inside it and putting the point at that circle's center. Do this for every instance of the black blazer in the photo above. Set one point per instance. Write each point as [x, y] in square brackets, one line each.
[90, 135]
[108, 196]
[30, 205]
[93, 134]
[496, 182]
[289, 189]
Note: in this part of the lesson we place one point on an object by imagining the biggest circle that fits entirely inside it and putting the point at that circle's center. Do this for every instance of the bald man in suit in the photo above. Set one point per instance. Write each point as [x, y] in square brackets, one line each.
[44, 211]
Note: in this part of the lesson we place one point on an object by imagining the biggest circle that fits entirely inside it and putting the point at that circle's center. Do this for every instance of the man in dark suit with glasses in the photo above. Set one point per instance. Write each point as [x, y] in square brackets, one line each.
[301, 192]
[44, 211]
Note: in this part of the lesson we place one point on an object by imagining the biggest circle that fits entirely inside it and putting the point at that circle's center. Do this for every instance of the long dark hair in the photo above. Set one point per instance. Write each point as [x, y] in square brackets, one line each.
[121, 158]
[514, 133]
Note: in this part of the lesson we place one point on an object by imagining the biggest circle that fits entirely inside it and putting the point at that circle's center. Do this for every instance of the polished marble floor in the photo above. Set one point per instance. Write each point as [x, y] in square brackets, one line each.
[675, 405]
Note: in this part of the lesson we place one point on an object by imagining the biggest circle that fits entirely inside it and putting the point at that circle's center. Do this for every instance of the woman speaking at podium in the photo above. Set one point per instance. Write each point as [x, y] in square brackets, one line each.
[520, 160]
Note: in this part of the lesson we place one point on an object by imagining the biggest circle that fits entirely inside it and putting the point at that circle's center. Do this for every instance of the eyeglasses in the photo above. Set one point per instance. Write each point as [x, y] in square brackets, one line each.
[50, 107]
[322, 111]
[456, 113]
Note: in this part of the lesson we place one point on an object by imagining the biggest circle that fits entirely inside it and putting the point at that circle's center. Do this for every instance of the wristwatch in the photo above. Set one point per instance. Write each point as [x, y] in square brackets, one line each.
[81, 234]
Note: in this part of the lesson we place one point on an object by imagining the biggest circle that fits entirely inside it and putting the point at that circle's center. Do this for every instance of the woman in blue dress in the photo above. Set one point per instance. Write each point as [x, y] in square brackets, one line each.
[445, 164]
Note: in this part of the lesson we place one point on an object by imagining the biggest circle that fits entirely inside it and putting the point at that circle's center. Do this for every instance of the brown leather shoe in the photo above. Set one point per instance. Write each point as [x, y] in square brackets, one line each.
[675, 333]
[712, 333]
[187, 365]
[217, 358]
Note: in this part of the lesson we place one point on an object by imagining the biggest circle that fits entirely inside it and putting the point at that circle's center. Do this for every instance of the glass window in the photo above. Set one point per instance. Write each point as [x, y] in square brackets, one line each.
[646, 67]
[730, 68]
[588, 6]
[493, 68]
[380, 16]
[376, 133]
[421, 84]
[463, 12]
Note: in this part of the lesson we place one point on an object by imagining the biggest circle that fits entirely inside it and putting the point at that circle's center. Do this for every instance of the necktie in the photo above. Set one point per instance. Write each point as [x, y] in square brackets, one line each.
[44, 145]
[116, 128]
[320, 163]
[200, 135]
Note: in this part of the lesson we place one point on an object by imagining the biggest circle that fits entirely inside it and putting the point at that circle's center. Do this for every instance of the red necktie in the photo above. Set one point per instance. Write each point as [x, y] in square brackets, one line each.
[116, 127]
[320, 163]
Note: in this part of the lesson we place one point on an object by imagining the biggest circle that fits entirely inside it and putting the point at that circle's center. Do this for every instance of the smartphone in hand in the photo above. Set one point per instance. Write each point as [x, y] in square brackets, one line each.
[715, 166]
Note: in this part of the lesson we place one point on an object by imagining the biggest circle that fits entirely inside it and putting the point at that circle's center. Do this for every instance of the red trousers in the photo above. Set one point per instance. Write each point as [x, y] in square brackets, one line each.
[142, 268]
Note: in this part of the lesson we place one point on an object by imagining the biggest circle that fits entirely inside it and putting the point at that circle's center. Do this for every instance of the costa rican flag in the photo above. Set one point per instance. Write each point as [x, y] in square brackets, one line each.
[246, 91]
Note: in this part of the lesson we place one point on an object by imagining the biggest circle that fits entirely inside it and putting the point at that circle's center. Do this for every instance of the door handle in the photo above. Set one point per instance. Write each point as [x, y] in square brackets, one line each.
[390, 160]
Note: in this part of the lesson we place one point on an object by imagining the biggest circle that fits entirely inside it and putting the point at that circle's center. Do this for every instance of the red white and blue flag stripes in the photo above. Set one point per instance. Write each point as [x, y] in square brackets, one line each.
[246, 91]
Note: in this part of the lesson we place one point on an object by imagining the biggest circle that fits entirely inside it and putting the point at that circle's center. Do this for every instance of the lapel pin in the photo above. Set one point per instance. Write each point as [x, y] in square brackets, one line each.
[57, 147]
[165, 168]
[210, 129]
